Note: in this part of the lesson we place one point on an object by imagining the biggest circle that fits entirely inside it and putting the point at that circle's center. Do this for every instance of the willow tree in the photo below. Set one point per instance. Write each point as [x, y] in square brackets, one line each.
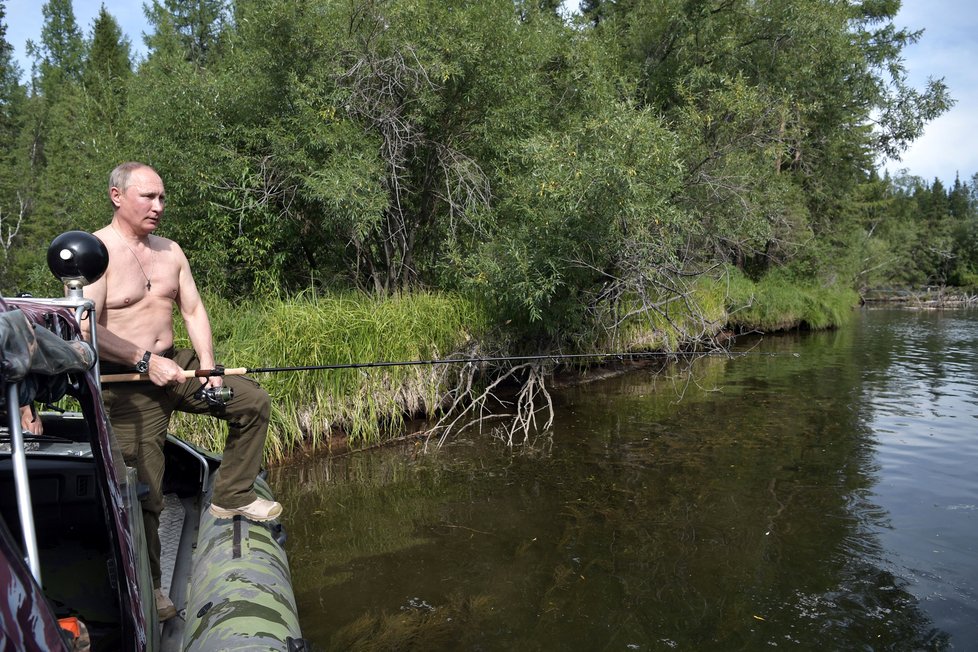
[784, 106]
[349, 142]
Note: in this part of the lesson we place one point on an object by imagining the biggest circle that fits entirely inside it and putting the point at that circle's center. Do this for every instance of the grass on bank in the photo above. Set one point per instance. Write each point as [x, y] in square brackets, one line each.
[368, 404]
[699, 314]
[308, 406]
[776, 303]
[734, 302]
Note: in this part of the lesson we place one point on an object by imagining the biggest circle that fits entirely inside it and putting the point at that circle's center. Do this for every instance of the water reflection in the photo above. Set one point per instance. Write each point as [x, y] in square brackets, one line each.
[747, 503]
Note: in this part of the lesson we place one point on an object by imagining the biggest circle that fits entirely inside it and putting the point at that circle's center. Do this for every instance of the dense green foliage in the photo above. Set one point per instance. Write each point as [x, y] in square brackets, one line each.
[923, 234]
[573, 175]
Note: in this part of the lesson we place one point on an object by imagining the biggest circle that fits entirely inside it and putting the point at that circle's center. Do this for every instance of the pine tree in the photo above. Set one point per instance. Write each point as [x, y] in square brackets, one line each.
[109, 54]
[60, 56]
[937, 207]
[12, 97]
[109, 65]
[196, 25]
[11, 91]
[9, 70]
[959, 201]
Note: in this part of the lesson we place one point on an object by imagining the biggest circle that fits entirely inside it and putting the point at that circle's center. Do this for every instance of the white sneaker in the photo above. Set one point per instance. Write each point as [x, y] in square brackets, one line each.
[259, 510]
[164, 607]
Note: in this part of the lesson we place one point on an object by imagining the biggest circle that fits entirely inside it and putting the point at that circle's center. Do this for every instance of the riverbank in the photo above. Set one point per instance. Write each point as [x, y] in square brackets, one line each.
[928, 297]
[319, 410]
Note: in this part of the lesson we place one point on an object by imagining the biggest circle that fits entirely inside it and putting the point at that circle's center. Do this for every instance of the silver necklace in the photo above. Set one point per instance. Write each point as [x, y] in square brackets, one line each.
[149, 284]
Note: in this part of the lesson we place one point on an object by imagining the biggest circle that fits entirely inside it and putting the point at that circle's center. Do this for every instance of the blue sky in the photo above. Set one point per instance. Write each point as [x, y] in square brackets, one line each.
[948, 49]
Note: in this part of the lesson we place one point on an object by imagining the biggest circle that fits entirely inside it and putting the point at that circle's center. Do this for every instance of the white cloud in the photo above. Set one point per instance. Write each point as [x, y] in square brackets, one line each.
[948, 49]
[948, 147]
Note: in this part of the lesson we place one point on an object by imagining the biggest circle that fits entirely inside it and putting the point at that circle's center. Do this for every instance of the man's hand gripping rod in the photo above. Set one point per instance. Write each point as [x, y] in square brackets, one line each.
[187, 373]
[209, 395]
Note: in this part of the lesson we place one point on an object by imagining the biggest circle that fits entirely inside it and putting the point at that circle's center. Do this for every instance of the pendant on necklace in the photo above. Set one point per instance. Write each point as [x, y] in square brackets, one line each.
[149, 286]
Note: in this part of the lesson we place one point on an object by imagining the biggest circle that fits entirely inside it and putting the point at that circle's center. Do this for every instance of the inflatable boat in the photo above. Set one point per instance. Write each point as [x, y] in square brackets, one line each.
[73, 555]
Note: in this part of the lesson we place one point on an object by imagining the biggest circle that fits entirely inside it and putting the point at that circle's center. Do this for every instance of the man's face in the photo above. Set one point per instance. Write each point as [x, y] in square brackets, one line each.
[141, 204]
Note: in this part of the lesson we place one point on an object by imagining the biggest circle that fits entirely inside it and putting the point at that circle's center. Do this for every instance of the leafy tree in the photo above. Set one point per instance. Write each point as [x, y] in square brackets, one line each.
[575, 175]
[363, 140]
[585, 234]
[898, 237]
[772, 89]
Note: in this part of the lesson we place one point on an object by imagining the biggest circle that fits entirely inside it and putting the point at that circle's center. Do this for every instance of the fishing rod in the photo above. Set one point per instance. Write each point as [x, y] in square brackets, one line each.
[240, 371]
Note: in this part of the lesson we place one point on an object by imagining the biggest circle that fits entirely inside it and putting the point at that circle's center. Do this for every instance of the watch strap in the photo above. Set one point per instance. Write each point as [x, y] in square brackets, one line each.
[143, 365]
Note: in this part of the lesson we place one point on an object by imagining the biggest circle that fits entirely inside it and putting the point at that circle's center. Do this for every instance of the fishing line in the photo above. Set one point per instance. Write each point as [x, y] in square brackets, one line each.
[240, 371]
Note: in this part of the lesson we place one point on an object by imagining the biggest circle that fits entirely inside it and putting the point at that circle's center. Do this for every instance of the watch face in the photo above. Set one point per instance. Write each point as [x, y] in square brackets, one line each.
[143, 365]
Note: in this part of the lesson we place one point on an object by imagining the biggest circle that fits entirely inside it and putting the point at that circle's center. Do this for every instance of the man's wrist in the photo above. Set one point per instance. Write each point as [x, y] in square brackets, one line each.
[143, 365]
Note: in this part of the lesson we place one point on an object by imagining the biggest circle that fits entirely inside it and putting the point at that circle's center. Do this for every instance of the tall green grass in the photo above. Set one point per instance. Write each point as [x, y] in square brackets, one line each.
[309, 406]
[732, 301]
[778, 303]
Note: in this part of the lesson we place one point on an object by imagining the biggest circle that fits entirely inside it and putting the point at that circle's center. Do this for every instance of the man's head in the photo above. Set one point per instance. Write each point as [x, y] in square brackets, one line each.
[137, 196]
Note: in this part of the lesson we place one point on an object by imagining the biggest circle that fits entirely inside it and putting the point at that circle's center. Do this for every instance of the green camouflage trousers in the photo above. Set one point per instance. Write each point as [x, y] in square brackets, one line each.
[140, 416]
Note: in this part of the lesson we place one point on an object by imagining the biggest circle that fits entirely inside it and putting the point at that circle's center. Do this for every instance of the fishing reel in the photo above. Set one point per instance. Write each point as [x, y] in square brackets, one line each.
[216, 396]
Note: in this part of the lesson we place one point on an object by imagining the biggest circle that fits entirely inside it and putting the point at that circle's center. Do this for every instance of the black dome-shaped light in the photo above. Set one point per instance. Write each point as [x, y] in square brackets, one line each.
[77, 258]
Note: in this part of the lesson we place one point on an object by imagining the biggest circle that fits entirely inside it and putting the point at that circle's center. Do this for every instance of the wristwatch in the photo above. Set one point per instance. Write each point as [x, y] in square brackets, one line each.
[143, 365]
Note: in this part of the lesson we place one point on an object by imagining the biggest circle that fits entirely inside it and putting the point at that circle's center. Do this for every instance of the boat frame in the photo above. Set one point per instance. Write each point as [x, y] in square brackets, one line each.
[72, 543]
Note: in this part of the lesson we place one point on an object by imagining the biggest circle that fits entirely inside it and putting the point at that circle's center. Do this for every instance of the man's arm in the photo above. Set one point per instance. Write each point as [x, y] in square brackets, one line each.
[196, 320]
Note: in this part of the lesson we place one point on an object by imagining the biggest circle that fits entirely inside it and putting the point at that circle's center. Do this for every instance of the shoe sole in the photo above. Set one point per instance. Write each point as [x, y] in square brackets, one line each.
[220, 512]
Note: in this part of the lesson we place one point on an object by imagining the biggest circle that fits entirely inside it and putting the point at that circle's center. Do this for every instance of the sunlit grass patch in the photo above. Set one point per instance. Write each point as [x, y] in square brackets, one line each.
[337, 329]
[677, 319]
[777, 303]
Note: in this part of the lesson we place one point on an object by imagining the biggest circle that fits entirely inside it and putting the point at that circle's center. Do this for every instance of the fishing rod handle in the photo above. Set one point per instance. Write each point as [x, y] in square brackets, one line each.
[187, 373]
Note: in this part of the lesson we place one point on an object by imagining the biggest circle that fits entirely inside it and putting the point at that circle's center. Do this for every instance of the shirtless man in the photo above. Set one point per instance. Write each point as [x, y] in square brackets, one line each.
[147, 276]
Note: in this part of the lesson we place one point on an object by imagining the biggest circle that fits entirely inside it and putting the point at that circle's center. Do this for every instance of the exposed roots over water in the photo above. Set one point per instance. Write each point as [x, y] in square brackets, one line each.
[470, 406]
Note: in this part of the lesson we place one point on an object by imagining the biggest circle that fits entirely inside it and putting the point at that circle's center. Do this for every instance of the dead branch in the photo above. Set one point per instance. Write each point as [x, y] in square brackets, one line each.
[475, 408]
[265, 187]
[7, 239]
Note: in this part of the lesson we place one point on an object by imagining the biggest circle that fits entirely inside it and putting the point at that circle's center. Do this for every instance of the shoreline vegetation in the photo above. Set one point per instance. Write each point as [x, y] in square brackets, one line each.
[408, 180]
[322, 412]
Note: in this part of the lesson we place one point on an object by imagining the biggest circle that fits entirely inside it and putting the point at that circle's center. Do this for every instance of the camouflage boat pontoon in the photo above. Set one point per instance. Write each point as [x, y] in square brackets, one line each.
[74, 573]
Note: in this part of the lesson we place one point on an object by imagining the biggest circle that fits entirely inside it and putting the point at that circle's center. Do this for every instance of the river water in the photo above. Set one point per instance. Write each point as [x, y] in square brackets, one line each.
[822, 498]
